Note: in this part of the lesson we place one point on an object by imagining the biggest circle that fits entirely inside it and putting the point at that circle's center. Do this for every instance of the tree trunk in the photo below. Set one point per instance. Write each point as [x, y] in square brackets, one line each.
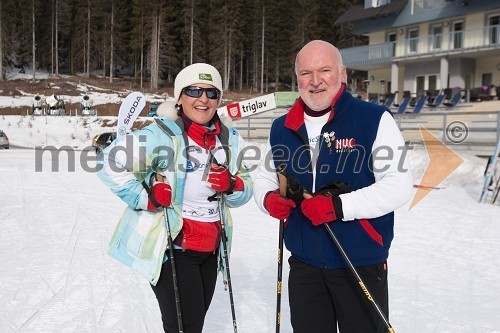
[247, 76]
[192, 30]
[111, 47]
[33, 42]
[56, 37]
[104, 57]
[158, 38]
[87, 72]
[241, 70]
[277, 72]
[254, 72]
[1, 49]
[53, 60]
[267, 72]
[142, 48]
[262, 55]
[229, 51]
[154, 51]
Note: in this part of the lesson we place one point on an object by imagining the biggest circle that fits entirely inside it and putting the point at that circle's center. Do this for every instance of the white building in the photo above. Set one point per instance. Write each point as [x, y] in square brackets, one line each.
[426, 46]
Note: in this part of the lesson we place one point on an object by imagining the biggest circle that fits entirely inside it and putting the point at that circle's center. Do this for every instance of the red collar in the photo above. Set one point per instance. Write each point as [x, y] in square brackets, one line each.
[295, 117]
[203, 136]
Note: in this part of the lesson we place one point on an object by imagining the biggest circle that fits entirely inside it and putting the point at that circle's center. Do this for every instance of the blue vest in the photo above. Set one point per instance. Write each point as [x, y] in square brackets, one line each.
[343, 153]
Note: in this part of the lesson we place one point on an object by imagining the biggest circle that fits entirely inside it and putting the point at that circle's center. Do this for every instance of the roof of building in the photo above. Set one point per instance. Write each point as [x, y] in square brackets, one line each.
[357, 12]
[397, 13]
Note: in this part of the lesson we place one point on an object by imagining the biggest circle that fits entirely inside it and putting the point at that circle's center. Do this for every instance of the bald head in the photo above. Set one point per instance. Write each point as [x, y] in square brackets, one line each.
[320, 74]
[320, 47]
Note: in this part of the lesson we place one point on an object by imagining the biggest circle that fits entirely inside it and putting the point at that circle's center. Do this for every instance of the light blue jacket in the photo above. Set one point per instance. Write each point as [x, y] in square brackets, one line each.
[139, 240]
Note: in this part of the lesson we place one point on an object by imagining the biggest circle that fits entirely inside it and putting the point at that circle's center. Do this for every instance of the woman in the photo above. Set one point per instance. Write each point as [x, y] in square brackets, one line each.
[186, 160]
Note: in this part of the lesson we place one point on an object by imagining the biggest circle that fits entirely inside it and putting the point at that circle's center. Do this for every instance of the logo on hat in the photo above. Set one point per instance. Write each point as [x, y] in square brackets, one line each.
[206, 77]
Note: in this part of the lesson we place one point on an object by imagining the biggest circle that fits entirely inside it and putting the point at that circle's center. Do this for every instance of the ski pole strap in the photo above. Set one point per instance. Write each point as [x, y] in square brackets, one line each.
[213, 197]
[232, 184]
[150, 192]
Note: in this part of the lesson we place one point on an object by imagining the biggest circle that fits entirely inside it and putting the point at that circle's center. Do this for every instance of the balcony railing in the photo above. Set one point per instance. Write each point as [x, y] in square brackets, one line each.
[445, 43]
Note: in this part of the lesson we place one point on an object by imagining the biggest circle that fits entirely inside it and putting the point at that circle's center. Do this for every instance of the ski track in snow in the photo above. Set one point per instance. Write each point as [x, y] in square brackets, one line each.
[55, 275]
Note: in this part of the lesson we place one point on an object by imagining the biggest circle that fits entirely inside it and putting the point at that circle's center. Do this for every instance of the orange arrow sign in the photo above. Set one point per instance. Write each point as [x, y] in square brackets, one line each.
[442, 162]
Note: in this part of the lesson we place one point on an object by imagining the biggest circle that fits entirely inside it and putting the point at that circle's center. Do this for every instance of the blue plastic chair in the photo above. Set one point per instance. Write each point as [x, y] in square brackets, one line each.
[454, 100]
[437, 101]
[404, 104]
[388, 102]
[420, 104]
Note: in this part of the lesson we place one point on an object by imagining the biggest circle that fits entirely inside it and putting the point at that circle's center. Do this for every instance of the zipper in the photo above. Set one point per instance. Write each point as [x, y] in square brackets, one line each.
[183, 245]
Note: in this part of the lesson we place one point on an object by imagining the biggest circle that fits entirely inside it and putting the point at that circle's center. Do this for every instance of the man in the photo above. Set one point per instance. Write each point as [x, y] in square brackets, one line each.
[328, 137]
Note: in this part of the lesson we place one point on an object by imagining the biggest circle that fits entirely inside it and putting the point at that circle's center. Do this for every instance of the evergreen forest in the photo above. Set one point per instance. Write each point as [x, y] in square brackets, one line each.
[253, 43]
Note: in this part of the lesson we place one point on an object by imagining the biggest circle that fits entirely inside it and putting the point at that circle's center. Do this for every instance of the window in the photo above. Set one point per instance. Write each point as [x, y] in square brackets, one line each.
[391, 38]
[486, 79]
[378, 3]
[432, 82]
[493, 29]
[426, 82]
[425, 6]
[458, 36]
[412, 40]
[420, 80]
[436, 37]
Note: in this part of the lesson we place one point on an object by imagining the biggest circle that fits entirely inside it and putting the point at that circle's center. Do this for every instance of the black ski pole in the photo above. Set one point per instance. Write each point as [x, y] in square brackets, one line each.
[359, 280]
[174, 273]
[227, 284]
[279, 284]
[280, 276]
[172, 263]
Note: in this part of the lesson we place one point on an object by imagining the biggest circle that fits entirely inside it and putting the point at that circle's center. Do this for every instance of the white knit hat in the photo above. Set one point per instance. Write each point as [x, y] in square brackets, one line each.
[197, 73]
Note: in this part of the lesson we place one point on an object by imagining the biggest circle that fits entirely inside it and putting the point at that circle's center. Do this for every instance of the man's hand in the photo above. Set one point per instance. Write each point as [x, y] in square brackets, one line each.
[320, 209]
[161, 196]
[277, 206]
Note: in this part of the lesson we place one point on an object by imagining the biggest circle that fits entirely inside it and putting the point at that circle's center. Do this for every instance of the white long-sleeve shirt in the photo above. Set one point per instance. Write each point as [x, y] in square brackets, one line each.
[393, 180]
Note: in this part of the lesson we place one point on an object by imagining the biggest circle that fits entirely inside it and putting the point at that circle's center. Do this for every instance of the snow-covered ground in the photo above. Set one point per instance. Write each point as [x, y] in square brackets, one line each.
[55, 275]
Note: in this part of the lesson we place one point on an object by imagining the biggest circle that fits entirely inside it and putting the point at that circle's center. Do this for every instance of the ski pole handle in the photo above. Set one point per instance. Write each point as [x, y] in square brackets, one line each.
[282, 181]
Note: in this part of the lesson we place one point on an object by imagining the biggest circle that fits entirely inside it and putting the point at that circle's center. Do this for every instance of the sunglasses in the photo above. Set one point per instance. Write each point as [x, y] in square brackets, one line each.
[196, 92]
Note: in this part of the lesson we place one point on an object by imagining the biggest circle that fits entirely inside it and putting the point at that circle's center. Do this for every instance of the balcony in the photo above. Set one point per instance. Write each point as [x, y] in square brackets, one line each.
[455, 42]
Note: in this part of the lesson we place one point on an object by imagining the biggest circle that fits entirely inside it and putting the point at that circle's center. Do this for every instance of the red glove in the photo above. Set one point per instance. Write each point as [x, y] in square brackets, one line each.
[277, 206]
[161, 196]
[320, 209]
[221, 180]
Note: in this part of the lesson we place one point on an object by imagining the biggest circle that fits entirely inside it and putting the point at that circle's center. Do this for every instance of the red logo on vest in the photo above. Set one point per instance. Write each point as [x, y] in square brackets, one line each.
[344, 145]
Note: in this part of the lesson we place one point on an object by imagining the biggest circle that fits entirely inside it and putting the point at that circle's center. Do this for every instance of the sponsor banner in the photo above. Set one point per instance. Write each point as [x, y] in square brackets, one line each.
[249, 106]
[129, 110]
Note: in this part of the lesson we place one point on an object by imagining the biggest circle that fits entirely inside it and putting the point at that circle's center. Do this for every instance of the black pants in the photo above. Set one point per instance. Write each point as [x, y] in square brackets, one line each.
[322, 298]
[196, 276]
